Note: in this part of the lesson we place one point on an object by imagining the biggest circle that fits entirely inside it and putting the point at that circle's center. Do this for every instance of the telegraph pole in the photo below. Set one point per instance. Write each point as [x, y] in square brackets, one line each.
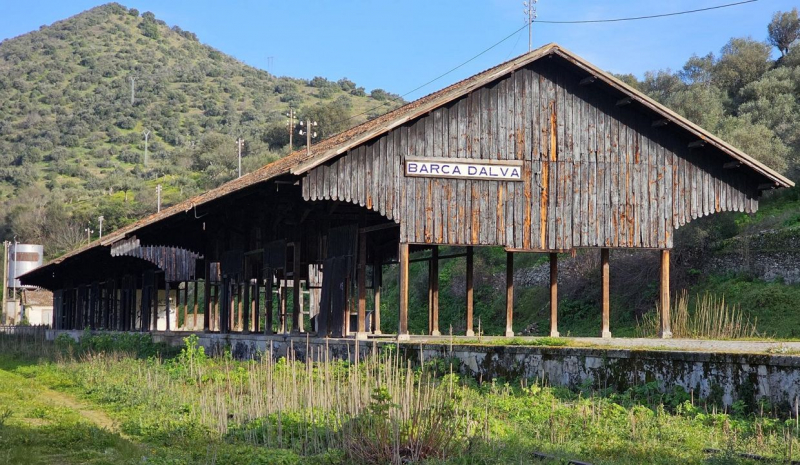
[100, 220]
[239, 145]
[89, 232]
[158, 198]
[530, 12]
[308, 133]
[146, 136]
[292, 118]
[133, 80]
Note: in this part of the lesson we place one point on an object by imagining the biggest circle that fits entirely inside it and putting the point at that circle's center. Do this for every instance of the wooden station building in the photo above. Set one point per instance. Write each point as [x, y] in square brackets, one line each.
[545, 153]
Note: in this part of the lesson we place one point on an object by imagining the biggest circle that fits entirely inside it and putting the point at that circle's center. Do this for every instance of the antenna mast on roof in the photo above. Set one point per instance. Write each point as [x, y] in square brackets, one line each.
[530, 12]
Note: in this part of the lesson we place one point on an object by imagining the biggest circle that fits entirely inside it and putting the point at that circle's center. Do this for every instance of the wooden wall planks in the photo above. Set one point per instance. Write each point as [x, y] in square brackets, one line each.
[594, 174]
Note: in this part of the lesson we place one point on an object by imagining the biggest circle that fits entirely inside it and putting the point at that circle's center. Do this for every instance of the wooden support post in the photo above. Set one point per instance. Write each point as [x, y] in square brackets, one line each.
[166, 304]
[296, 289]
[240, 293]
[402, 330]
[606, 302]
[195, 304]
[434, 283]
[245, 302]
[215, 321]
[377, 281]
[207, 298]
[470, 301]
[154, 298]
[257, 305]
[666, 328]
[230, 321]
[361, 271]
[509, 294]
[185, 305]
[268, 301]
[554, 295]
[282, 297]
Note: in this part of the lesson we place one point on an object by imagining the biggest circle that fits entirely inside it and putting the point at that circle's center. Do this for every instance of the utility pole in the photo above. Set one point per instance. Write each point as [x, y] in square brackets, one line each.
[100, 220]
[133, 80]
[146, 134]
[292, 118]
[239, 145]
[308, 133]
[6, 244]
[530, 12]
[89, 232]
[158, 198]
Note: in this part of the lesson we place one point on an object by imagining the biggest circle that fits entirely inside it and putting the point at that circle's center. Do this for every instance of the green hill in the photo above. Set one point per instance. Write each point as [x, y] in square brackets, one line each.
[71, 141]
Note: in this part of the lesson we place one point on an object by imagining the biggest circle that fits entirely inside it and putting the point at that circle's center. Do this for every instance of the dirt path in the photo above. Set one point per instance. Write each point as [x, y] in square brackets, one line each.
[61, 399]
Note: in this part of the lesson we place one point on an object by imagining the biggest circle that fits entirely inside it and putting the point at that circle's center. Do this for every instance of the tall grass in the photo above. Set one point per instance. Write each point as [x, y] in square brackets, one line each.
[711, 318]
[378, 410]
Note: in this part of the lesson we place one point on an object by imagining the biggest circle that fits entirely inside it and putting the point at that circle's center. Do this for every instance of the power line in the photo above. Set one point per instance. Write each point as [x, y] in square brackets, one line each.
[547, 22]
[635, 18]
[437, 77]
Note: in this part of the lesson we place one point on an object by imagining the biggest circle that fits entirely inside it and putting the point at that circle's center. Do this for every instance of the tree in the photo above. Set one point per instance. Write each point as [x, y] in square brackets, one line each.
[756, 140]
[783, 30]
[661, 84]
[742, 61]
[698, 70]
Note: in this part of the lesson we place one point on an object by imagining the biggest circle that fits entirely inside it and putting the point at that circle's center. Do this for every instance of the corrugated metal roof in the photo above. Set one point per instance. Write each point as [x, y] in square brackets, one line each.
[300, 161]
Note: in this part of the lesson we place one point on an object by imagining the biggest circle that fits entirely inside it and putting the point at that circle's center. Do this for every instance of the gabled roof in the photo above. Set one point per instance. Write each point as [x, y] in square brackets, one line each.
[300, 161]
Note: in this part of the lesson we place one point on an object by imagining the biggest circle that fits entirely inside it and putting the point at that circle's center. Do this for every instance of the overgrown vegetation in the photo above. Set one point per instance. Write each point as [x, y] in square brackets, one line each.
[69, 403]
[711, 318]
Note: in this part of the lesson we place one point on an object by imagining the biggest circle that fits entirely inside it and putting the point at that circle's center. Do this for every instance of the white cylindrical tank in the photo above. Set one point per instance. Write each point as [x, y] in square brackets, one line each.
[23, 258]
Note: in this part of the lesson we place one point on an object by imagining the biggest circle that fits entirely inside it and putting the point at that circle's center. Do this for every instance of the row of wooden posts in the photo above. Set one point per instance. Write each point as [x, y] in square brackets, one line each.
[113, 306]
[433, 293]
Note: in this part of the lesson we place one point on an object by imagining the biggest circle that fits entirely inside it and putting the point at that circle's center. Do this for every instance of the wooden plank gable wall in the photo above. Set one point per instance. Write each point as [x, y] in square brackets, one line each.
[596, 173]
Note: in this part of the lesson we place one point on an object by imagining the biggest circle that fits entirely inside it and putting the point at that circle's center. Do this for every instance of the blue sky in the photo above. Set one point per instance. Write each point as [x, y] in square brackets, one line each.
[400, 44]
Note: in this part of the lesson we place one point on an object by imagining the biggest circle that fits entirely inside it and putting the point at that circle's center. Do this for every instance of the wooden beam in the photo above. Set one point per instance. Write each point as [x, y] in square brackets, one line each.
[166, 303]
[257, 304]
[604, 256]
[268, 302]
[434, 267]
[245, 302]
[554, 295]
[402, 330]
[509, 294]
[185, 303]
[666, 329]
[195, 305]
[696, 144]
[767, 186]
[470, 326]
[587, 80]
[296, 325]
[660, 123]
[377, 282]
[624, 101]
[378, 227]
[361, 271]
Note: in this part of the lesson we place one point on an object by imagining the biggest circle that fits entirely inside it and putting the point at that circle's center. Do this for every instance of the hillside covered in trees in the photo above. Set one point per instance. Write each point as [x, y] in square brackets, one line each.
[72, 131]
